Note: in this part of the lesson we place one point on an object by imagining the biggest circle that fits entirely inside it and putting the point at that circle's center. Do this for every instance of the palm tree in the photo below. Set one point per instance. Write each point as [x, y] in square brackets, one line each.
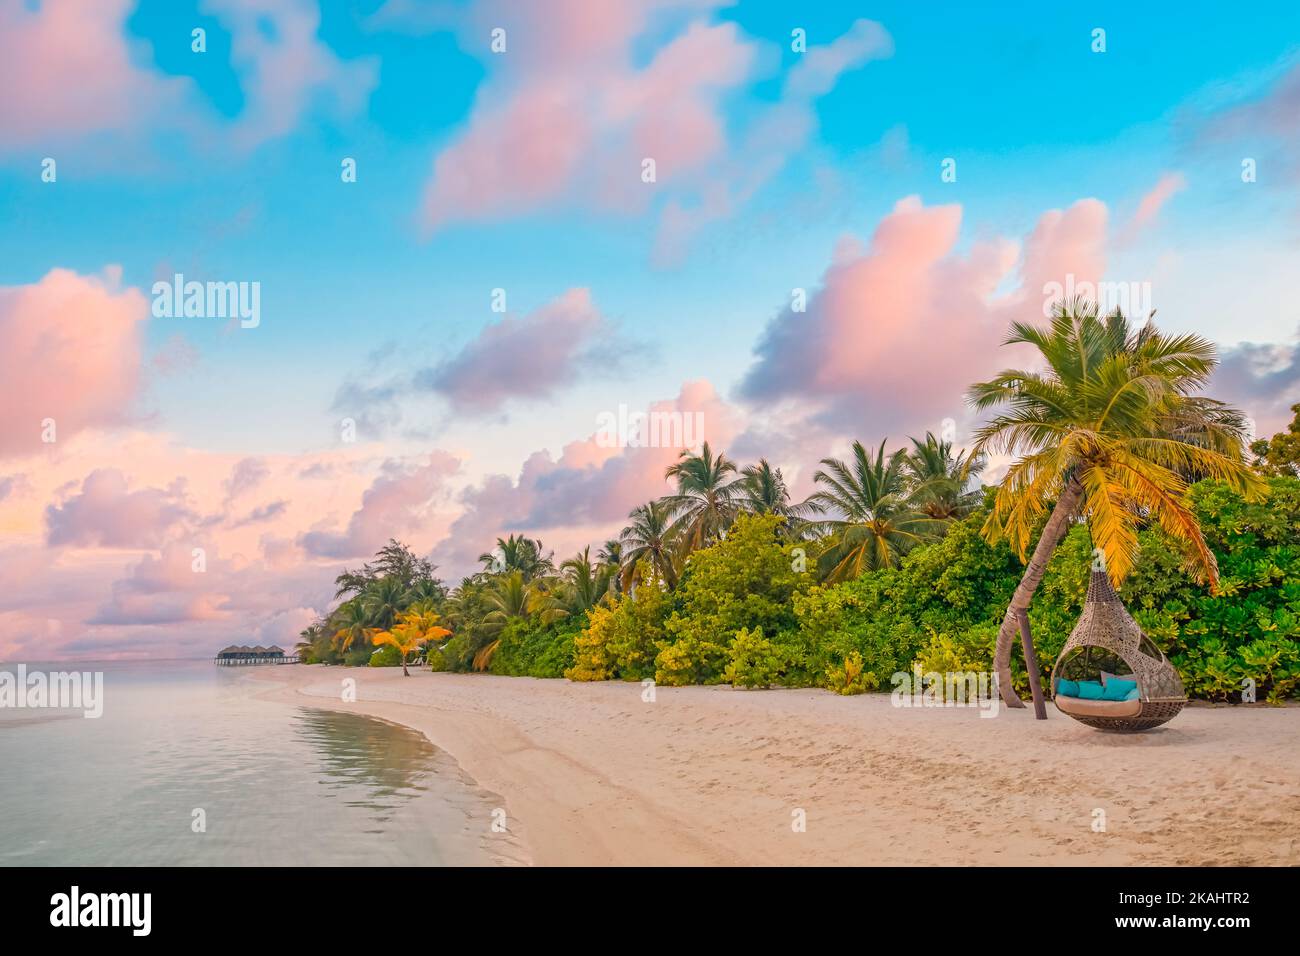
[650, 538]
[1108, 430]
[351, 623]
[706, 499]
[416, 626]
[611, 557]
[764, 491]
[874, 522]
[510, 598]
[384, 599]
[939, 479]
[584, 585]
[518, 554]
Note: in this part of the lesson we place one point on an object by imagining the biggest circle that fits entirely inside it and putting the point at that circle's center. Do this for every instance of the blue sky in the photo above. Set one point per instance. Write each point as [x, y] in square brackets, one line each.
[1034, 118]
[225, 165]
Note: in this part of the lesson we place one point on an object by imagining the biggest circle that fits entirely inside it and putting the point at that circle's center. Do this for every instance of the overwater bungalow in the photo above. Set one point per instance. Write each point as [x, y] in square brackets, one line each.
[232, 655]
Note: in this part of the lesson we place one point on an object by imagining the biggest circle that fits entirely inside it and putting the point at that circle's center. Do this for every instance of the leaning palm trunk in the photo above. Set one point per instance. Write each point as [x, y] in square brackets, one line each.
[1059, 522]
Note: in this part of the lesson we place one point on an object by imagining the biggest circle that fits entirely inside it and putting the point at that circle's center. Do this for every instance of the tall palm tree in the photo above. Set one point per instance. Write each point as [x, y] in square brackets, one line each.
[650, 538]
[384, 599]
[764, 491]
[518, 553]
[940, 480]
[1109, 430]
[511, 597]
[873, 522]
[588, 582]
[706, 501]
[611, 557]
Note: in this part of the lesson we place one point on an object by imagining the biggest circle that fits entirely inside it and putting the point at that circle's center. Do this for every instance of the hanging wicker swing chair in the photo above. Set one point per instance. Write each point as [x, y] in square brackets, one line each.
[1108, 639]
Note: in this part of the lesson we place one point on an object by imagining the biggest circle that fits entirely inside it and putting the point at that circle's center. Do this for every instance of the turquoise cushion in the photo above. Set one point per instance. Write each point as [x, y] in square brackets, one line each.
[1134, 694]
[1117, 689]
[1091, 689]
[1067, 688]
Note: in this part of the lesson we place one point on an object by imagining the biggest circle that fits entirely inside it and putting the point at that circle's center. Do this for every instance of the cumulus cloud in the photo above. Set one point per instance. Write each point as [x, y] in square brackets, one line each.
[779, 132]
[900, 327]
[13, 485]
[1263, 380]
[401, 501]
[105, 513]
[48, 50]
[284, 67]
[247, 474]
[71, 353]
[580, 123]
[586, 493]
[263, 514]
[532, 356]
[574, 109]
[47, 54]
[213, 598]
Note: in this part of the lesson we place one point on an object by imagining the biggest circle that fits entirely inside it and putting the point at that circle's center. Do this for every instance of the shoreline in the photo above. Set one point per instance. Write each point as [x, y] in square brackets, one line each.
[592, 775]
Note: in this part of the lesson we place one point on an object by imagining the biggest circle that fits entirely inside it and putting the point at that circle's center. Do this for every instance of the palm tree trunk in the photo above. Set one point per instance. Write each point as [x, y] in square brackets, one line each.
[1066, 507]
[405, 672]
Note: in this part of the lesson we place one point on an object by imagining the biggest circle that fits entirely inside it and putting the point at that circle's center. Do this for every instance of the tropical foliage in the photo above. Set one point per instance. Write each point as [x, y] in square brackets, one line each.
[898, 557]
[1110, 430]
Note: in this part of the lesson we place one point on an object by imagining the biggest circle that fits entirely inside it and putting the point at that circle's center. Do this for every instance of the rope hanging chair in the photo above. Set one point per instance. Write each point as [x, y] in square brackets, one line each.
[1107, 638]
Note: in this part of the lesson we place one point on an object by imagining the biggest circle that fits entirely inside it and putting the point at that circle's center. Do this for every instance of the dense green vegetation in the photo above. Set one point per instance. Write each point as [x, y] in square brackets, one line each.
[896, 559]
[749, 610]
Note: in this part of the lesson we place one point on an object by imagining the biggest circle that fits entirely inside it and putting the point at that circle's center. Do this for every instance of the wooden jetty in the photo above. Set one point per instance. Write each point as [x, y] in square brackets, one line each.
[233, 656]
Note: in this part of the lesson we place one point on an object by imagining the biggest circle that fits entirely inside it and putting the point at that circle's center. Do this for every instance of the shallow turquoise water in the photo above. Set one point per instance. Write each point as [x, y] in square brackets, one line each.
[276, 784]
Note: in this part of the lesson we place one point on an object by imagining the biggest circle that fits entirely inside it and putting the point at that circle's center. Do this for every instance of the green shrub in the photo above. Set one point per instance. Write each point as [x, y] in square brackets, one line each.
[437, 660]
[969, 650]
[756, 661]
[530, 648]
[745, 581]
[849, 677]
[386, 656]
[690, 660]
[358, 655]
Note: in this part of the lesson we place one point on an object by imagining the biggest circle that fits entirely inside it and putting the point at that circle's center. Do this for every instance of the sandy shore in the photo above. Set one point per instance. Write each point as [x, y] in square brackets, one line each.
[591, 774]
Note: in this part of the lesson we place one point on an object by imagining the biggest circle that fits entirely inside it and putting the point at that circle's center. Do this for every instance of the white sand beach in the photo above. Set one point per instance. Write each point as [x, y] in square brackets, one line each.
[591, 774]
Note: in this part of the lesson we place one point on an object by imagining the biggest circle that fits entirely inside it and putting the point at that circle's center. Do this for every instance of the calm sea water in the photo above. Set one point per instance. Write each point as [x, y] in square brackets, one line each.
[277, 784]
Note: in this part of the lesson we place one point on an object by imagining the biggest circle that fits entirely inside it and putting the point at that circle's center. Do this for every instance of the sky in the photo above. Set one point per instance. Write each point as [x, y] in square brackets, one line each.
[479, 232]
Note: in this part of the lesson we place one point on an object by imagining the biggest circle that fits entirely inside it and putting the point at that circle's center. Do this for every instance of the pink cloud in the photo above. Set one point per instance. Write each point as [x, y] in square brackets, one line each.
[565, 123]
[402, 501]
[105, 513]
[284, 67]
[71, 353]
[777, 134]
[247, 474]
[585, 494]
[899, 328]
[48, 55]
[527, 357]
[1150, 205]
[568, 116]
[1263, 380]
[48, 52]
[819, 69]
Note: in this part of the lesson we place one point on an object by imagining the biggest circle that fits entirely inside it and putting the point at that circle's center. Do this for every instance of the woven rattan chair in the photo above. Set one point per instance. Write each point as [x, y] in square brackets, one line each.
[1107, 638]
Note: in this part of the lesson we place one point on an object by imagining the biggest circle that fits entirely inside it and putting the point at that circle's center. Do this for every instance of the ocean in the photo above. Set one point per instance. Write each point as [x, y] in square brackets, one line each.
[186, 767]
